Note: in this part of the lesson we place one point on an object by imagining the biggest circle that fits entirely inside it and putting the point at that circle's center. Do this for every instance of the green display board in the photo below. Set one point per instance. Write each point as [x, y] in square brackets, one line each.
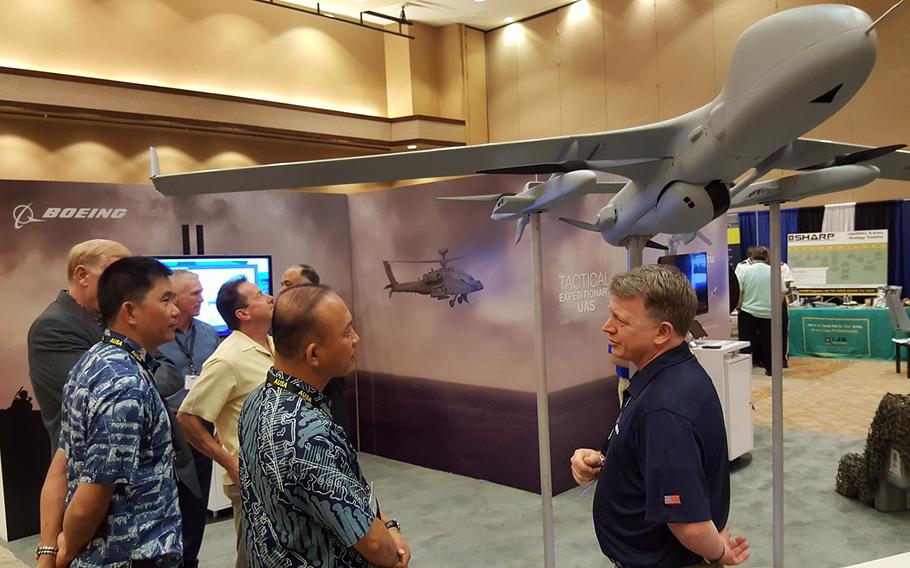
[852, 259]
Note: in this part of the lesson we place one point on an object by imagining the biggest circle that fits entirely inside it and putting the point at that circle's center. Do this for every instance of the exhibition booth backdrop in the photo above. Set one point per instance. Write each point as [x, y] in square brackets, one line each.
[451, 388]
[894, 216]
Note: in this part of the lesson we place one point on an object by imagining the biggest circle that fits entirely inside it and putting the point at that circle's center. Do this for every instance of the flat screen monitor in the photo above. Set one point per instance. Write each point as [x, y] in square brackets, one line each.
[694, 267]
[213, 271]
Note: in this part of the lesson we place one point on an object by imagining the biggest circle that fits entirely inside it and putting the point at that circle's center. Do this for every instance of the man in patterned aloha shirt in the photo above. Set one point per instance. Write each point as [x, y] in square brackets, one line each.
[305, 500]
[110, 497]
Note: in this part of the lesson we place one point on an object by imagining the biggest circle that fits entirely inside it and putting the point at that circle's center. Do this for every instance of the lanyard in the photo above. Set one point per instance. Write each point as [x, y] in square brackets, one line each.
[276, 378]
[117, 342]
[626, 399]
[187, 350]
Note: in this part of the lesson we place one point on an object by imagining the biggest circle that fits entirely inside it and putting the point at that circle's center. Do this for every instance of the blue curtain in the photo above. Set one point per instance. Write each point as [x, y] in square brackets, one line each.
[755, 229]
[899, 245]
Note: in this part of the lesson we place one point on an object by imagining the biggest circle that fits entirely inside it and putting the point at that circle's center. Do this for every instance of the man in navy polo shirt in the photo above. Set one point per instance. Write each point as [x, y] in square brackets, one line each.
[665, 496]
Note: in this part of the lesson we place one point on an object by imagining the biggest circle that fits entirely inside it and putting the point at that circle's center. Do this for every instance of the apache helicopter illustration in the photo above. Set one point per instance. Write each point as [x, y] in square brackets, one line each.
[443, 283]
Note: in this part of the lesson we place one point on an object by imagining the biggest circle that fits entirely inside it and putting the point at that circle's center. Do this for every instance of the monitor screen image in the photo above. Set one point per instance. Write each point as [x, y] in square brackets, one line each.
[694, 267]
[213, 271]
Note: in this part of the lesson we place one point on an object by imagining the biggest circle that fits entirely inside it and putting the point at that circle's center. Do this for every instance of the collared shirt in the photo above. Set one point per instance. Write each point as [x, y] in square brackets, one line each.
[666, 462]
[116, 431]
[236, 367]
[188, 352]
[755, 289]
[305, 500]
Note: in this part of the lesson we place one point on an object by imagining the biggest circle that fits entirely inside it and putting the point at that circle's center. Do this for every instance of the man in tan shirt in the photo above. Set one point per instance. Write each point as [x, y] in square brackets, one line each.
[237, 366]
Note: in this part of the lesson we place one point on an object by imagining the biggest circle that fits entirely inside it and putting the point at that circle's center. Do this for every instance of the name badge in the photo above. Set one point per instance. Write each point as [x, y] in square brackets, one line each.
[189, 381]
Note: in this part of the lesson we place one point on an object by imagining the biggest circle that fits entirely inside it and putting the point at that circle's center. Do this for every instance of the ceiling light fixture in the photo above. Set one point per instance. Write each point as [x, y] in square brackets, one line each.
[509, 20]
[305, 7]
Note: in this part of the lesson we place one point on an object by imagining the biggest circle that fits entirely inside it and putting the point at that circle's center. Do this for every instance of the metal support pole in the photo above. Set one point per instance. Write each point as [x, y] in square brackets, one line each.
[543, 412]
[636, 248]
[777, 390]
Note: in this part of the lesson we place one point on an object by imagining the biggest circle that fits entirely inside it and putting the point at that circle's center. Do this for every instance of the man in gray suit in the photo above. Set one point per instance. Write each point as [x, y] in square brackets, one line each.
[68, 327]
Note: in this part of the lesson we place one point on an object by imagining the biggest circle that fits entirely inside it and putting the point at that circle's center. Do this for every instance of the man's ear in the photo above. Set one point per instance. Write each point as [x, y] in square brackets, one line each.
[128, 312]
[665, 332]
[312, 354]
[81, 274]
[241, 314]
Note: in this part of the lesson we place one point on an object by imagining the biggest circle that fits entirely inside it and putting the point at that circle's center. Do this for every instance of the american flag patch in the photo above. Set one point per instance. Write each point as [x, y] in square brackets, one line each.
[672, 500]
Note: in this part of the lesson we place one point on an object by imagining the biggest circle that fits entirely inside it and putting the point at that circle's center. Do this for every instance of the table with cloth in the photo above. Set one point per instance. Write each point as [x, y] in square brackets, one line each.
[841, 332]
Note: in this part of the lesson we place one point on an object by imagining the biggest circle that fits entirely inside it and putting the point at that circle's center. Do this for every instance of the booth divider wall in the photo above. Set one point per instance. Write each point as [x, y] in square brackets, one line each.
[292, 227]
[452, 388]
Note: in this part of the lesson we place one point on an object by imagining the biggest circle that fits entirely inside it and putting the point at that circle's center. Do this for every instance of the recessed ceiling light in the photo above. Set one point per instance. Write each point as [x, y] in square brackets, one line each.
[509, 20]
[480, 1]
[414, 146]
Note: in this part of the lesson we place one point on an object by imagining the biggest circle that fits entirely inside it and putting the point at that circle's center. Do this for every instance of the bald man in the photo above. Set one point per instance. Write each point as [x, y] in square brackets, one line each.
[68, 327]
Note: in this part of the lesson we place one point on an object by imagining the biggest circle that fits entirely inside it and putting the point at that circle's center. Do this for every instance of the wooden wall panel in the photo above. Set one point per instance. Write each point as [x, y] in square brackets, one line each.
[538, 76]
[685, 55]
[630, 47]
[451, 70]
[731, 18]
[221, 46]
[582, 90]
[424, 70]
[475, 76]
[503, 86]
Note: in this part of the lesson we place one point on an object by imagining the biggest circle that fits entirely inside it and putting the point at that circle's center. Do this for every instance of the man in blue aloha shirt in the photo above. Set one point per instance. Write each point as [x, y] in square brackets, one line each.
[305, 500]
[110, 497]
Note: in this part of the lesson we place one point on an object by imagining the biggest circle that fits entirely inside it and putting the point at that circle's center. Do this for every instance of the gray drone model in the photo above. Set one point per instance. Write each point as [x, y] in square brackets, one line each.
[789, 73]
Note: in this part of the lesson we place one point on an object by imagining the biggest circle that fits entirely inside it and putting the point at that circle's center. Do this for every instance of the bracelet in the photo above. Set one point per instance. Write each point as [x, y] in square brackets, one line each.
[45, 550]
[393, 524]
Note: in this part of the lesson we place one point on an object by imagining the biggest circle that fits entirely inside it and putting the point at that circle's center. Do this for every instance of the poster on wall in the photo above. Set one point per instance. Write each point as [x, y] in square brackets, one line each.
[854, 258]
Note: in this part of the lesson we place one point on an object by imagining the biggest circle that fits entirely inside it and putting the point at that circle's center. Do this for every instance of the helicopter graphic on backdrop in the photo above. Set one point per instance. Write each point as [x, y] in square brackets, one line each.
[443, 283]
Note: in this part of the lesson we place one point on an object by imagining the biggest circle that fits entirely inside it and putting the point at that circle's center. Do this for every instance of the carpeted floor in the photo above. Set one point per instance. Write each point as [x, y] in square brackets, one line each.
[830, 396]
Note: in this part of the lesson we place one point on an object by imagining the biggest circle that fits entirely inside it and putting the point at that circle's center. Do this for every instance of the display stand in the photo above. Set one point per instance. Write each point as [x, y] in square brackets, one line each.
[731, 373]
[543, 411]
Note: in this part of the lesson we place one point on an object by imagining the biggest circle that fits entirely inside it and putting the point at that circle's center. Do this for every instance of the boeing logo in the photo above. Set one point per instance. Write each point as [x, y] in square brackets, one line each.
[23, 214]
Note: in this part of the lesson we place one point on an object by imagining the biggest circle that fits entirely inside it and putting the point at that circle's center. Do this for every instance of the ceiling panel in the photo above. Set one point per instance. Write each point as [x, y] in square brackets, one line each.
[482, 15]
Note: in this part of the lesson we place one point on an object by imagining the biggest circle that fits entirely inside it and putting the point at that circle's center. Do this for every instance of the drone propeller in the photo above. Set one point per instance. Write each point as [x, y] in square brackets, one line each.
[856, 157]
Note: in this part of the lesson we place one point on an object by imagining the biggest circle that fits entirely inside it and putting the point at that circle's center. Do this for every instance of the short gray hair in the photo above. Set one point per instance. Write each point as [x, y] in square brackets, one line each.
[667, 294]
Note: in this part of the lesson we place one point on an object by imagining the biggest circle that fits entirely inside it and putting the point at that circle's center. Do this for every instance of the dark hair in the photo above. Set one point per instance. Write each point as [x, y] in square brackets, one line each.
[127, 280]
[760, 253]
[309, 273]
[229, 301]
[294, 319]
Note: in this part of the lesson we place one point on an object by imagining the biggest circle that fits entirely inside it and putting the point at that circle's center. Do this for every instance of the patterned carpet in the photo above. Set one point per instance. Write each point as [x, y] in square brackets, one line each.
[832, 396]
[7, 560]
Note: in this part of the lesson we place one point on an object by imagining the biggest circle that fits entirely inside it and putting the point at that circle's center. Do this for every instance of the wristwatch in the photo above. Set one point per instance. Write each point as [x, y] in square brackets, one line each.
[42, 550]
[393, 524]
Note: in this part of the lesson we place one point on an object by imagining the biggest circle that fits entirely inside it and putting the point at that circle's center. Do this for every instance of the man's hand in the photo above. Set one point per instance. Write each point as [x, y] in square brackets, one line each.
[47, 561]
[586, 465]
[404, 552]
[736, 550]
[233, 470]
[64, 556]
